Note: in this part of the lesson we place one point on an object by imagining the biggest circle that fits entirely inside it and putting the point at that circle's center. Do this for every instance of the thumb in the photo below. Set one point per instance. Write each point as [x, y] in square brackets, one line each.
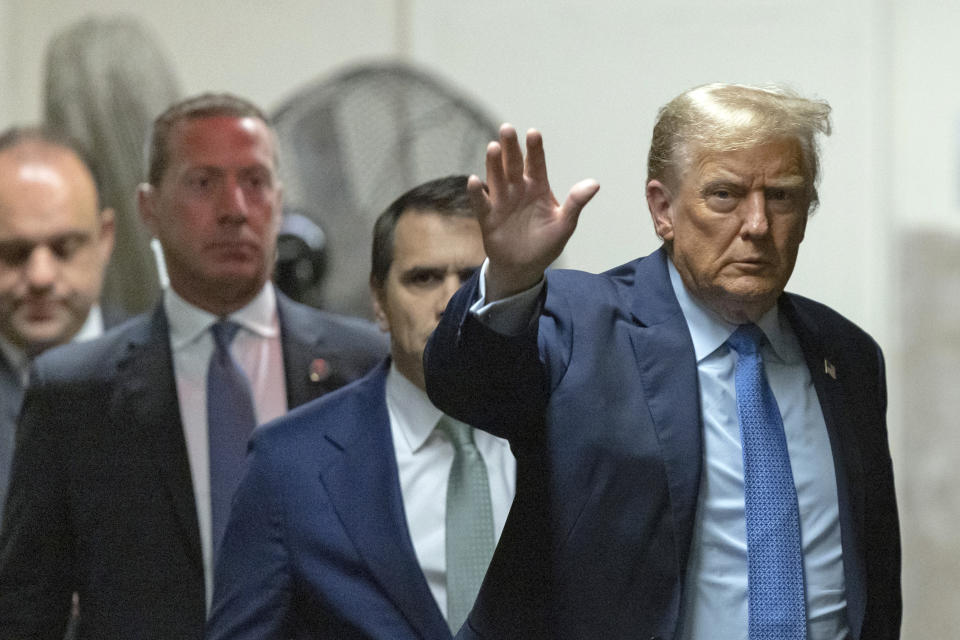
[580, 194]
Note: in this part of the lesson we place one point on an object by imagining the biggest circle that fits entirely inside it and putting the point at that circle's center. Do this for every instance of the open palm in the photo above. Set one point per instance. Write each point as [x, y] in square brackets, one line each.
[524, 227]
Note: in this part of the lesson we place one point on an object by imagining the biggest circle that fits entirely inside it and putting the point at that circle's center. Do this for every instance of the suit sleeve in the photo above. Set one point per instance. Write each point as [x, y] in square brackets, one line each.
[252, 582]
[36, 545]
[495, 382]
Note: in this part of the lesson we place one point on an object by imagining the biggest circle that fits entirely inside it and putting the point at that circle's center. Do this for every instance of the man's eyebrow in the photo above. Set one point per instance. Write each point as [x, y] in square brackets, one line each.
[791, 180]
[204, 168]
[419, 269]
[72, 234]
[786, 181]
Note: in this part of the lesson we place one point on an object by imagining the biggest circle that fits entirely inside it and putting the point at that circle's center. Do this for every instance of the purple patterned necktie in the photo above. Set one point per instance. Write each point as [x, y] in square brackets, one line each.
[777, 610]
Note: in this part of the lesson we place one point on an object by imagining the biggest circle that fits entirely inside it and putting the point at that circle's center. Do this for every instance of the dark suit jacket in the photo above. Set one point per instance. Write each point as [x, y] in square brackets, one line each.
[11, 395]
[101, 499]
[317, 545]
[604, 397]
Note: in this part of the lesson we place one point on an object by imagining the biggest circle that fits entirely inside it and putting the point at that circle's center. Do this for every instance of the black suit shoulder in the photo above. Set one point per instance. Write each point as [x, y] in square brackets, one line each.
[95, 359]
[323, 351]
[830, 321]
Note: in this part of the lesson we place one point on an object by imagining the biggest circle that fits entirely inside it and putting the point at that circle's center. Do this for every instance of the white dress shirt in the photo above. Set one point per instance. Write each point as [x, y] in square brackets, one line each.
[715, 588]
[715, 594]
[256, 349]
[424, 458]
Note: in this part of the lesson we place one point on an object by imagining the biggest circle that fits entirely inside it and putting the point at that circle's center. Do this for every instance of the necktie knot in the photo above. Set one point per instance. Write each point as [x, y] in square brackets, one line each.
[460, 434]
[223, 333]
[746, 340]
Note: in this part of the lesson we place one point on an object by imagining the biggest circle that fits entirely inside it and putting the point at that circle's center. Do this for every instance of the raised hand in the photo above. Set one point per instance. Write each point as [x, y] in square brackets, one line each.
[524, 227]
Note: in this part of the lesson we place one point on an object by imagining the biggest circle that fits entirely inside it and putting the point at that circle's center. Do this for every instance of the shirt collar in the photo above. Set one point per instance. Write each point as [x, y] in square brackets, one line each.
[709, 331]
[416, 415]
[188, 322]
[92, 326]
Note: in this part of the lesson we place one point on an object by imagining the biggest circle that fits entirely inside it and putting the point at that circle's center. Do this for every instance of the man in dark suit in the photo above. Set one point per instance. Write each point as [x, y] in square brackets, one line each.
[119, 484]
[55, 242]
[341, 527]
[700, 455]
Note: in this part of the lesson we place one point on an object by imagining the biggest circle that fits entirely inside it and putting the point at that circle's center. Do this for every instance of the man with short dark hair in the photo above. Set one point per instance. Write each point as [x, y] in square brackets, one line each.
[700, 455]
[55, 242]
[358, 516]
[130, 446]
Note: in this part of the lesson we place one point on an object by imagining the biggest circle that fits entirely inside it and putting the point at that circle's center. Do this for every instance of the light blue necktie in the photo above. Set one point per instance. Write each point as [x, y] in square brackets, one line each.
[230, 421]
[777, 610]
[470, 537]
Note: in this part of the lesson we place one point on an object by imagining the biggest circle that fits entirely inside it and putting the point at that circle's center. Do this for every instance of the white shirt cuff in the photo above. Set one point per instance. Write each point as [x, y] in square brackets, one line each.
[511, 315]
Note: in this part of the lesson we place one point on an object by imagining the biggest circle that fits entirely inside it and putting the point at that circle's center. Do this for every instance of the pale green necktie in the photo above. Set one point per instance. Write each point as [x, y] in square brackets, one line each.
[470, 538]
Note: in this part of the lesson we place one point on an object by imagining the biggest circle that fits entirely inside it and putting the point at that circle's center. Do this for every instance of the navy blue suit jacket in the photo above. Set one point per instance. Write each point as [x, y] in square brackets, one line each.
[317, 545]
[101, 498]
[603, 399]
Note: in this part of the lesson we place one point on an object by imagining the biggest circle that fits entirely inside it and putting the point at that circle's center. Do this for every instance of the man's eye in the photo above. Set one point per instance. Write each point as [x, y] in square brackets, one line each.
[256, 181]
[200, 183]
[15, 254]
[65, 248]
[722, 200]
[423, 277]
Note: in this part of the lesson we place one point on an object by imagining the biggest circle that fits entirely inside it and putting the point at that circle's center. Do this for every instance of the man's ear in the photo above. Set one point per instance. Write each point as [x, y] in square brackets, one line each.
[375, 297]
[659, 201]
[146, 205]
[278, 221]
[107, 234]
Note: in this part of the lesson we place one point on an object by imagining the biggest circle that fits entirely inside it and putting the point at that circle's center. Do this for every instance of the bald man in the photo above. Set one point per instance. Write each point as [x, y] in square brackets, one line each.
[55, 242]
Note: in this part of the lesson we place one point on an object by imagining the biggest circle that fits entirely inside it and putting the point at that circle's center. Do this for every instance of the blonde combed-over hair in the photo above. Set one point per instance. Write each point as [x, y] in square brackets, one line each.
[717, 118]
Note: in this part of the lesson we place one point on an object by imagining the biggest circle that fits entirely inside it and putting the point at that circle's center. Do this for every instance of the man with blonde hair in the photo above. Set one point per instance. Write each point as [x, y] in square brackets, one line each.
[700, 455]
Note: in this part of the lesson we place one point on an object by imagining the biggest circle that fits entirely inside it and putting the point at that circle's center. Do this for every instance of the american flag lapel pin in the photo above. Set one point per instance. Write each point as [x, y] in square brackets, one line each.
[829, 369]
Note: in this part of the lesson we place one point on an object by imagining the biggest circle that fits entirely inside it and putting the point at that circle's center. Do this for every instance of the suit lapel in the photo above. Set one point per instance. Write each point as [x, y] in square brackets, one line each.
[304, 342]
[147, 401]
[822, 358]
[668, 373]
[11, 393]
[298, 339]
[11, 397]
[358, 466]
